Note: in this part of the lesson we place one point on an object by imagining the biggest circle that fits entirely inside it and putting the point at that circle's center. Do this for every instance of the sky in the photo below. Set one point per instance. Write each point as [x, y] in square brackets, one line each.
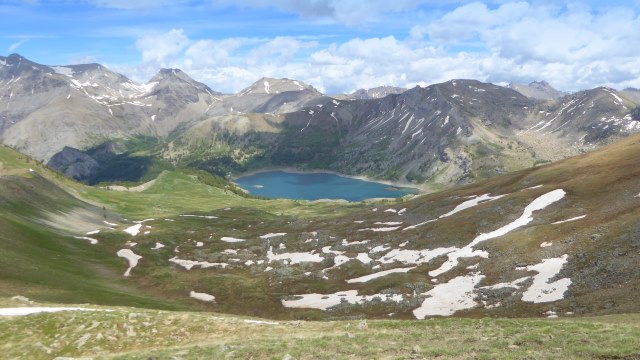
[336, 45]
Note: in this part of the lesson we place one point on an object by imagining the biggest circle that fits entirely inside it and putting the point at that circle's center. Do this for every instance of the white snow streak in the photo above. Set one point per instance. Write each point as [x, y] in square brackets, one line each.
[131, 257]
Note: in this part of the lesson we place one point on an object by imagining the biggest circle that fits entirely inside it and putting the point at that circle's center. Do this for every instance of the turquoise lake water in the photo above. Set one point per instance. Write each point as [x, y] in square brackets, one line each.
[314, 186]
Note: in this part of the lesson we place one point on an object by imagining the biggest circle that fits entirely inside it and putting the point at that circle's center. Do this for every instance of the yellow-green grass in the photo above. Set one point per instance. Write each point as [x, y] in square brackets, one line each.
[177, 193]
[126, 333]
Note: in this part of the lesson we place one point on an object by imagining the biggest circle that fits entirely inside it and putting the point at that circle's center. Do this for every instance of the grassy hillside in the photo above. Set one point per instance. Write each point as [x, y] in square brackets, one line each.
[337, 242]
[41, 213]
[147, 334]
[257, 268]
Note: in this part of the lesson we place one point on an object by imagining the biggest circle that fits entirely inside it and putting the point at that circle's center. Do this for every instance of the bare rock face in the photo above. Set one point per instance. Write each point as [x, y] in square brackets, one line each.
[74, 163]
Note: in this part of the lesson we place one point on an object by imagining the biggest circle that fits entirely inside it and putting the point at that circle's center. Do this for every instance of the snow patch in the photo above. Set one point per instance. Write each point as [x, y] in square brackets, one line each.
[230, 239]
[568, 220]
[325, 301]
[454, 295]
[381, 229]
[202, 296]
[131, 257]
[420, 224]
[414, 257]
[201, 216]
[63, 70]
[539, 203]
[92, 241]
[133, 230]
[471, 203]
[542, 290]
[270, 235]
[190, 264]
[379, 275]
[379, 248]
[364, 258]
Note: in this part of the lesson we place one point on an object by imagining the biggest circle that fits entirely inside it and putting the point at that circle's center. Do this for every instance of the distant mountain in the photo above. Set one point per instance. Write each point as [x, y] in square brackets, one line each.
[49, 107]
[376, 92]
[539, 90]
[451, 132]
[455, 132]
[269, 95]
[633, 94]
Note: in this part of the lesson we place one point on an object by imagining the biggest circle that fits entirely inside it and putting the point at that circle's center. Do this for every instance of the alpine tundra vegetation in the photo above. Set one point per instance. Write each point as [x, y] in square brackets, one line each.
[402, 180]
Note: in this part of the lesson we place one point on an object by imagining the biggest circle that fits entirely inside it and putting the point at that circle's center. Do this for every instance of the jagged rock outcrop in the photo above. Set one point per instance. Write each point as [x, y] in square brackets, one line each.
[74, 163]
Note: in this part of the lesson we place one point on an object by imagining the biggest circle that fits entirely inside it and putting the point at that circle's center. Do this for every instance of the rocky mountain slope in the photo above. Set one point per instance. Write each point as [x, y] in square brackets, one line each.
[458, 131]
[450, 133]
[46, 108]
[84, 105]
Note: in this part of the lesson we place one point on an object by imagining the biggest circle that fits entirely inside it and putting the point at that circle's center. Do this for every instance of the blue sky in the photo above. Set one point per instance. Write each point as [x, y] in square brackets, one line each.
[336, 45]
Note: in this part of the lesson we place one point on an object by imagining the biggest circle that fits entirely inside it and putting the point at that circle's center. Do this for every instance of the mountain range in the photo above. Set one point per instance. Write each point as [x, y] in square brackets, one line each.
[450, 133]
[527, 225]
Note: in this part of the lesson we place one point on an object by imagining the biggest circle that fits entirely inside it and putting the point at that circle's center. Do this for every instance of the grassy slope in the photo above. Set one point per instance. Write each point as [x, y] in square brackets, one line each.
[145, 334]
[592, 181]
[601, 185]
[48, 264]
[178, 193]
[45, 262]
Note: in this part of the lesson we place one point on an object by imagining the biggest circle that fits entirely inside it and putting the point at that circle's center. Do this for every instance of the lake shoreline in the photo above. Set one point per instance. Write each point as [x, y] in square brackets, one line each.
[387, 190]
[397, 184]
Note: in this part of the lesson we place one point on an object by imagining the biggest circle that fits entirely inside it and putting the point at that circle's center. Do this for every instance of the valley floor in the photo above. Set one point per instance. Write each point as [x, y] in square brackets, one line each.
[130, 333]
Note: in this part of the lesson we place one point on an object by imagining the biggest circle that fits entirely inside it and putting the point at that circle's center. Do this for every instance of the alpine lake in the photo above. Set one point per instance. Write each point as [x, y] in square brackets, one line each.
[316, 186]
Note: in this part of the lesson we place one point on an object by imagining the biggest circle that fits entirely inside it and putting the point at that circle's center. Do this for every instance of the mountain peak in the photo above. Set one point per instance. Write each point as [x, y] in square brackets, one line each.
[270, 86]
[539, 90]
[171, 73]
[376, 92]
[14, 59]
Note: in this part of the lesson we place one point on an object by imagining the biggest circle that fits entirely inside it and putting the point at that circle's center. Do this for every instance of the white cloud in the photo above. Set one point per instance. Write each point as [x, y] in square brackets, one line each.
[158, 48]
[206, 53]
[280, 50]
[572, 47]
[16, 45]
